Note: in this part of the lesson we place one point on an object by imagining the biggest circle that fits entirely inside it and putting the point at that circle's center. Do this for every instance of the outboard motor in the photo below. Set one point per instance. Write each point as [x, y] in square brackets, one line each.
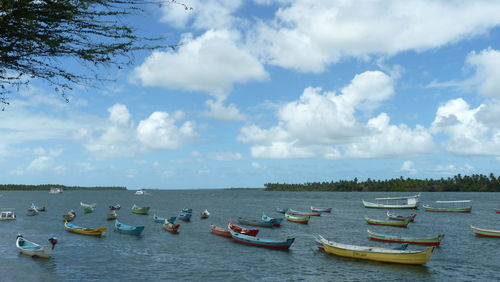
[53, 241]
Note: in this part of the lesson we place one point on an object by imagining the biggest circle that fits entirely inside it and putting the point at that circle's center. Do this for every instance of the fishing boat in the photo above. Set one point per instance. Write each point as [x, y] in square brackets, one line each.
[33, 206]
[321, 210]
[187, 210]
[220, 231]
[242, 230]
[140, 210]
[411, 217]
[320, 247]
[88, 209]
[185, 216]
[141, 192]
[32, 212]
[410, 202]
[56, 190]
[158, 219]
[482, 232]
[432, 241]
[69, 216]
[115, 207]
[7, 215]
[403, 223]
[171, 219]
[88, 205]
[304, 219]
[303, 213]
[262, 242]
[277, 221]
[83, 230]
[279, 210]
[497, 210]
[112, 215]
[450, 206]
[128, 229]
[204, 214]
[253, 222]
[171, 227]
[31, 249]
[376, 253]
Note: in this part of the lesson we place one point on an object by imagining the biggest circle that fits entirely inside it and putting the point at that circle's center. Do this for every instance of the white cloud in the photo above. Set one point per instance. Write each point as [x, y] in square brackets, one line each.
[257, 165]
[119, 114]
[408, 167]
[226, 156]
[217, 110]
[453, 169]
[487, 76]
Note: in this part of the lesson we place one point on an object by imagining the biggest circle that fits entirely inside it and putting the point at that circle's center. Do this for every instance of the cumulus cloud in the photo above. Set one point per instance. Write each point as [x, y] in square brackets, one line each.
[217, 110]
[408, 167]
[487, 72]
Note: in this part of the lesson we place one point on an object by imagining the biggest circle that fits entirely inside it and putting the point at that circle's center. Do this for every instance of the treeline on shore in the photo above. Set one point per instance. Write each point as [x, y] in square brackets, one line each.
[457, 183]
[42, 187]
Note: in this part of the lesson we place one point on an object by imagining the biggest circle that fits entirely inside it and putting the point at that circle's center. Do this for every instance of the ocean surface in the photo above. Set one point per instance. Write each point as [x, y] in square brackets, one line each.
[197, 255]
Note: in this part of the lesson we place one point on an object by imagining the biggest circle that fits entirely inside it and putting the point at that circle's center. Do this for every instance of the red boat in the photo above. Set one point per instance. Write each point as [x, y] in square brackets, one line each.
[171, 227]
[242, 230]
[220, 231]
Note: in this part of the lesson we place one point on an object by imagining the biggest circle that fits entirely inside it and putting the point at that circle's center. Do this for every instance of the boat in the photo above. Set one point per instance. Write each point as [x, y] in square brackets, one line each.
[262, 242]
[140, 210]
[187, 210]
[394, 223]
[320, 247]
[303, 213]
[220, 231]
[171, 219]
[128, 229]
[88, 210]
[497, 210]
[185, 216]
[377, 253]
[141, 192]
[158, 219]
[410, 202]
[253, 222]
[450, 206]
[171, 227]
[7, 215]
[32, 212]
[321, 210]
[31, 249]
[204, 214]
[277, 221]
[33, 206]
[115, 207]
[304, 219]
[242, 230]
[69, 216]
[83, 230]
[432, 241]
[112, 215]
[56, 190]
[411, 217]
[279, 210]
[88, 205]
[482, 232]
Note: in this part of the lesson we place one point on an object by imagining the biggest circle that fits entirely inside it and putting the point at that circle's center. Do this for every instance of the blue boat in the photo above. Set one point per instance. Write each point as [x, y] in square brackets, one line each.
[252, 222]
[185, 216]
[158, 219]
[303, 213]
[128, 229]
[172, 219]
[277, 221]
[262, 242]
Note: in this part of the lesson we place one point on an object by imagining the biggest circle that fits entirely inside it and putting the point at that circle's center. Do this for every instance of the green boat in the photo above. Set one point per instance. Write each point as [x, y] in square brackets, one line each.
[450, 206]
[140, 210]
[88, 209]
[403, 223]
[497, 210]
[304, 219]
[433, 241]
[482, 232]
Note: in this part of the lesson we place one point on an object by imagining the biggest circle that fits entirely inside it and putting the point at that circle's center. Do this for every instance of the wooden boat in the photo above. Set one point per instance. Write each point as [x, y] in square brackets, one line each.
[497, 210]
[410, 202]
[320, 247]
[128, 229]
[376, 253]
[158, 219]
[115, 207]
[482, 232]
[321, 210]
[432, 241]
[411, 217]
[220, 231]
[171, 227]
[253, 222]
[112, 215]
[88, 210]
[242, 230]
[40, 209]
[304, 219]
[85, 231]
[450, 206]
[31, 249]
[187, 210]
[7, 215]
[276, 221]
[403, 223]
[88, 205]
[171, 219]
[140, 210]
[281, 210]
[69, 216]
[303, 213]
[32, 212]
[185, 216]
[262, 242]
[204, 214]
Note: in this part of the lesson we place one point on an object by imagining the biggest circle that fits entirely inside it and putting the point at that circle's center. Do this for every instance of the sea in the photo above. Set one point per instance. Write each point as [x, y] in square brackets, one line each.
[197, 255]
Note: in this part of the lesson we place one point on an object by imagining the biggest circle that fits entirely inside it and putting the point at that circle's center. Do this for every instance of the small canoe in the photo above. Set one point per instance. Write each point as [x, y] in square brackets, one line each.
[262, 242]
[303, 213]
[115, 207]
[40, 209]
[321, 210]
[185, 216]
[171, 227]
[7, 215]
[482, 232]
[411, 217]
[220, 231]
[204, 214]
[88, 210]
[276, 221]
[304, 219]
[279, 210]
[128, 229]
[320, 247]
[376, 253]
[31, 212]
[112, 215]
[31, 249]
[253, 222]
[85, 231]
[432, 241]
[140, 210]
[69, 216]
[88, 205]
[428, 208]
[187, 210]
[242, 230]
[396, 223]
[158, 219]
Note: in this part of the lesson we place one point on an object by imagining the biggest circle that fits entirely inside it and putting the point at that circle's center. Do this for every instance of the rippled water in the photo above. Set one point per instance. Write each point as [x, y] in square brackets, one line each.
[195, 254]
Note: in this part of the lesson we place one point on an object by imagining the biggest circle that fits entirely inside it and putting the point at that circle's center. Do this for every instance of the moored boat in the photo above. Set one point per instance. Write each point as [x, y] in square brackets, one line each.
[376, 253]
[185, 216]
[276, 221]
[128, 229]
[83, 230]
[262, 242]
[242, 230]
[115, 207]
[321, 210]
[158, 219]
[450, 206]
[141, 192]
[29, 248]
[497, 210]
[279, 210]
[7, 215]
[140, 210]
[40, 209]
[187, 210]
[483, 232]
[409, 202]
[204, 214]
[88, 209]
[402, 223]
[88, 205]
[171, 227]
[253, 222]
[220, 231]
[69, 216]
[303, 213]
[431, 241]
[410, 217]
[112, 215]
[31, 212]
[304, 219]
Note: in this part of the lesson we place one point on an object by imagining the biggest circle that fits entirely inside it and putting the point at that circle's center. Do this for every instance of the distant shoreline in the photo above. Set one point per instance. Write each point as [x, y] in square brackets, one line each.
[47, 187]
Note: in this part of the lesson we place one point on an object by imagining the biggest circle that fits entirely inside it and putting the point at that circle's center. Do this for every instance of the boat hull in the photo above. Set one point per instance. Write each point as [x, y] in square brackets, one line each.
[242, 230]
[261, 242]
[84, 231]
[171, 227]
[482, 232]
[31, 249]
[297, 218]
[321, 210]
[220, 231]
[433, 241]
[259, 223]
[371, 205]
[432, 209]
[128, 229]
[303, 213]
[143, 210]
[372, 221]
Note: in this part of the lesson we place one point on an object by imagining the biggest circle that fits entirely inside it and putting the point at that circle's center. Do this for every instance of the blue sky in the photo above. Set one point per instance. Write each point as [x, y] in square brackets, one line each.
[275, 91]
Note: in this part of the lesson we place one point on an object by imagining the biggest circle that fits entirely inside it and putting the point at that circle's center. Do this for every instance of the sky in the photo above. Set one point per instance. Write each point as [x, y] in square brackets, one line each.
[264, 91]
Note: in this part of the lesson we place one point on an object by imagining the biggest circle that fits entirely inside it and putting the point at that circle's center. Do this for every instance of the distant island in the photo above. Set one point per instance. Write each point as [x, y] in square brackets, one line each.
[47, 187]
[457, 183]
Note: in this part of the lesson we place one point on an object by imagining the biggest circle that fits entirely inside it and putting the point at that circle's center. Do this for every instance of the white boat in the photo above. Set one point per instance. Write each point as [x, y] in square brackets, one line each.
[205, 214]
[32, 249]
[7, 215]
[141, 192]
[56, 190]
[410, 202]
[88, 205]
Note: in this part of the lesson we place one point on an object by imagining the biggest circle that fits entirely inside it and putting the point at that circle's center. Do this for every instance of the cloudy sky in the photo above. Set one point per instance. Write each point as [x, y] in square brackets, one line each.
[275, 91]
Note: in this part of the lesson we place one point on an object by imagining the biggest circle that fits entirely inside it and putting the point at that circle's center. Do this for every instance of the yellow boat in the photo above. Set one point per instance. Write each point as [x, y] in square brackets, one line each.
[82, 230]
[376, 253]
